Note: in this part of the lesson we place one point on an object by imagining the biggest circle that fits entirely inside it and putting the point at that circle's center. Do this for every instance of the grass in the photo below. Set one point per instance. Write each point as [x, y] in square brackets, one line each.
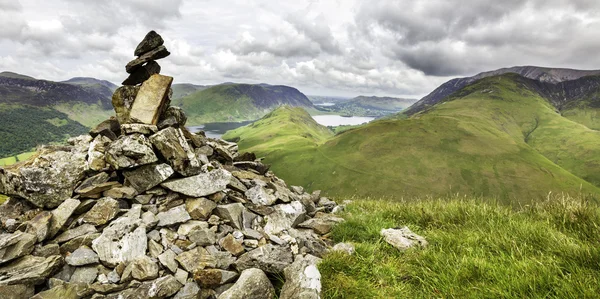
[14, 159]
[477, 249]
[495, 138]
[85, 114]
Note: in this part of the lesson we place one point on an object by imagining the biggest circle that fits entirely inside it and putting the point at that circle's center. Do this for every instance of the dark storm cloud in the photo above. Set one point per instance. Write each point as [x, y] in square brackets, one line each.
[444, 38]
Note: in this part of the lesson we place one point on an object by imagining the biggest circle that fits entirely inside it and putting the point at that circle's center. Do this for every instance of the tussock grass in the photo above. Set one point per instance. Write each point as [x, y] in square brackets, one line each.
[477, 249]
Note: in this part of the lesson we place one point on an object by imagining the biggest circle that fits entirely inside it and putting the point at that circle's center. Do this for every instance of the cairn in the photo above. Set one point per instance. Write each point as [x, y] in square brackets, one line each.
[143, 208]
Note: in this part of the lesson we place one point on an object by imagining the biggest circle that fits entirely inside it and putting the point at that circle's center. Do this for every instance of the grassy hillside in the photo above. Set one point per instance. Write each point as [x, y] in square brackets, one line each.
[181, 90]
[297, 132]
[495, 138]
[477, 249]
[23, 127]
[237, 102]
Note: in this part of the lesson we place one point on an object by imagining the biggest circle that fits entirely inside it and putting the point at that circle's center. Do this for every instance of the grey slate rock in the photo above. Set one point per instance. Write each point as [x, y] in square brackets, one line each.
[252, 284]
[200, 185]
[151, 40]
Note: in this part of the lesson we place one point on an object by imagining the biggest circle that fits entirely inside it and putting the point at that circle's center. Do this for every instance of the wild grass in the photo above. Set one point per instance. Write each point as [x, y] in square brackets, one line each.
[477, 249]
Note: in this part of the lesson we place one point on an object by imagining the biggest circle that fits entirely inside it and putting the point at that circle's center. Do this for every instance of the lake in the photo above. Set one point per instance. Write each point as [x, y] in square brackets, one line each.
[338, 120]
[216, 130]
[325, 104]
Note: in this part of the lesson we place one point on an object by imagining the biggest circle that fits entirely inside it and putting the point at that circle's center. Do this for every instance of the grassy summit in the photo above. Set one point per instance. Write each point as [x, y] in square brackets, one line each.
[496, 138]
[476, 249]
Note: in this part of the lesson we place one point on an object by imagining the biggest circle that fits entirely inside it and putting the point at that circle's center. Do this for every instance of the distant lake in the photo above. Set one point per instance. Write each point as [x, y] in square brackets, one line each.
[216, 130]
[325, 104]
[338, 120]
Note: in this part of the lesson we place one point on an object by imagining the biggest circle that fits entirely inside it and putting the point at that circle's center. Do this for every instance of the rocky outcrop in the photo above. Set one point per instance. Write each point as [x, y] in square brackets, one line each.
[154, 211]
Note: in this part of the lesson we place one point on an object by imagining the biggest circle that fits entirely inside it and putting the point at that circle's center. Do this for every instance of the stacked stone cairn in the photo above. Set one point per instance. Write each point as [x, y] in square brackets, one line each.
[143, 208]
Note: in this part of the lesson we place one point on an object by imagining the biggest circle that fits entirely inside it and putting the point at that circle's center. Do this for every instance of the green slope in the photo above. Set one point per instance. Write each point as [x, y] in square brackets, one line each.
[494, 138]
[237, 102]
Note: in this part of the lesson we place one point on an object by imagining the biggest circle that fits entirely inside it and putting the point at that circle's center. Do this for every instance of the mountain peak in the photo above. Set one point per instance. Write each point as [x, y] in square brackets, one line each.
[16, 76]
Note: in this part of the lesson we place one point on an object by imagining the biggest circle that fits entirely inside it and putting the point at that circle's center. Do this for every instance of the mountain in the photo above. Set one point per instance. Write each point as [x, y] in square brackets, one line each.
[545, 76]
[34, 112]
[499, 137]
[369, 106]
[238, 102]
[181, 90]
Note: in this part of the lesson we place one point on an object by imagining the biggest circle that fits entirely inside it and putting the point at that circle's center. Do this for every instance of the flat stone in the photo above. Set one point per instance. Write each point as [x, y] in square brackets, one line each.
[102, 212]
[214, 277]
[40, 225]
[142, 268]
[403, 238]
[139, 129]
[259, 196]
[72, 245]
[108, 128]
[175, 215]
[322, 224]
[75, 232]
[181, 275]
[130, 151]
[17, 291]
[121, 192]
[84, 274]
[200, 185]
[284, 217]
[167, 259]
[149, 219]
[162, 287]
[148, 176]
[46, 250]
[173, 117]
[122, 241]
[154, 249]
[154, 54]
[81, 257]
[302, 279]
[61, 214]
[95, 185]
[225, 149]
[122, 100]
[190, 290]
[203, 236]
[47, 180]
[230, 244]
[30, 270]
[252, 284]
[151, 100]
[269, 258]
[151, 41]
[232, 212]
[173, 146]
[141, 74]
[199, 208]
[196, 259]
[16, 245]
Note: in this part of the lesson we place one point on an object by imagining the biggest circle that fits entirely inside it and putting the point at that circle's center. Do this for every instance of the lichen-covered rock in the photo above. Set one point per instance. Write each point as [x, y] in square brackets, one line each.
[102, 212]
[47, 180]
[142, 73]
[130, 151]
[81, 257]
[172, 145]
[402, 238]
[269, 258]
[200, 185]
[302, 279]
[122, 100]
[17, 291]
[177, 214]
[322, 223]
[173, 117]
[196, 259]
[286, 216]
[16, 245]
[232, 212]
[61, 215]
[122, 241]
[214, 277]
[199, 208]
[148, 176]
[252, 284]
[154, 54]
[30, 270]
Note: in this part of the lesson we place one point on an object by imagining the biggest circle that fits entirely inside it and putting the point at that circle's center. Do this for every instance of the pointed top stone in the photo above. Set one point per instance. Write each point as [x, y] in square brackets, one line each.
[151, 40]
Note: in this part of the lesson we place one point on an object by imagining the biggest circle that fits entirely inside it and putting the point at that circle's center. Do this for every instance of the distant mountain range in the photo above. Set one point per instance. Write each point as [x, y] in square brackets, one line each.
[548, 78]
[368, 106]
[513, 135]
[232, 102]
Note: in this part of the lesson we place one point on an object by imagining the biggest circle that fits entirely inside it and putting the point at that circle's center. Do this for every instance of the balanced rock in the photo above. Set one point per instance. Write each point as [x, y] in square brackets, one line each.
[151, 100]
[142, 74]
[122, 101]
[154, 54]
[151, 41]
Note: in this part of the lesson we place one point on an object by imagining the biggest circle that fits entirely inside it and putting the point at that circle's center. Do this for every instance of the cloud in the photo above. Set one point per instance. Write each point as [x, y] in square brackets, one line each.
[395, 48]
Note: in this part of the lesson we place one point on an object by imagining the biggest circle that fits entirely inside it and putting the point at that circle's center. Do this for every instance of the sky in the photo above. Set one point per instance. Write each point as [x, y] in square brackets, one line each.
[403, 48]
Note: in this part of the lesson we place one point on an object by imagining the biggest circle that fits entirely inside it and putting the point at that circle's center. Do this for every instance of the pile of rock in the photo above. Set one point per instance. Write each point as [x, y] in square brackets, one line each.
[142, 208]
